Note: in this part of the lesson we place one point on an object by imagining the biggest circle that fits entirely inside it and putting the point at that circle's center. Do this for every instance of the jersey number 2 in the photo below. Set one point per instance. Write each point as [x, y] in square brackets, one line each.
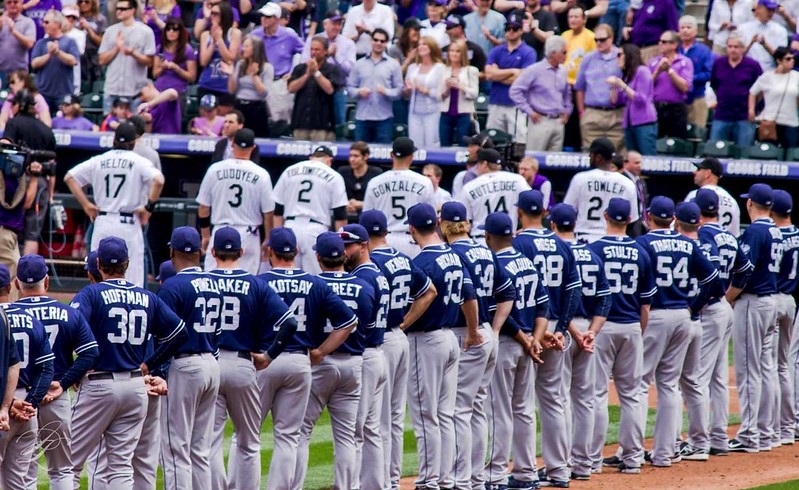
[307, 186]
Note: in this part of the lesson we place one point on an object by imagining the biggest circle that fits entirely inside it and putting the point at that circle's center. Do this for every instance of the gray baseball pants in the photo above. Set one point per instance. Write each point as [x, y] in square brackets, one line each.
[555, 442]
[578, 387]
[432, 386]
[392, 420]
[369, 457]
[18, 450]
[718, 317]
[480, 418]
[694, 390]
[54, 436]
[187, 421]
[786, 359]
[336, 385]
[753, 325]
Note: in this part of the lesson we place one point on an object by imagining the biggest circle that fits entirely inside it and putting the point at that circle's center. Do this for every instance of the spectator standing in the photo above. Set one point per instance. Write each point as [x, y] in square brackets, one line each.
[356, 176]
[127, 50]
[314, 83]
[763, 35]
[635, 88]
[702, 60]
[787, 14]
[53, 58]
[543, 94]
[505, 63]
[70, 30]
[281, 45]
[779, 88]
[156, 16]
[71, 116]
[731, 78]
[175, 66]
[404, 51]
[434, 25]
[599, 115]
[725, 18]
[224, 147]
[423, 83]
[209, 122]
[580, 41]
[475, 54]
[376, 81]
[219, 47]
[17, 36]
[461, 85]
[93, 23]
[672, 75]
[484, 26]
[528, 168]
[616, 17]
[539, 25]
[203, 20]
[363, 19]
[440, 195]
[19, 80]
[650, 21]
[249, 83]
[36, 10]
[160, 109]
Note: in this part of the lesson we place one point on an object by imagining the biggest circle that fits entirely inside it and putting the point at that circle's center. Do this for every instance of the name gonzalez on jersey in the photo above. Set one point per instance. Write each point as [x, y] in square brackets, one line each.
[398, 186]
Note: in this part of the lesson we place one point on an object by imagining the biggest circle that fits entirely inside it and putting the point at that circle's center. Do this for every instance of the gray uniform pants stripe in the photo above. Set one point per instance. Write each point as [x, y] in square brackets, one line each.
[786, 359]
[369, 459]
[17, 447]
[54, 437]
[694, 392]
[392, 420]
[555, 442]
[578, 388]
[480, 419]
[719, 388]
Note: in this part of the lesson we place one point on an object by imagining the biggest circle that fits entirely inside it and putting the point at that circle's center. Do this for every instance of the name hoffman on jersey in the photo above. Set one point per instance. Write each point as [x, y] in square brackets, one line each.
[398, 186]
[494, 186]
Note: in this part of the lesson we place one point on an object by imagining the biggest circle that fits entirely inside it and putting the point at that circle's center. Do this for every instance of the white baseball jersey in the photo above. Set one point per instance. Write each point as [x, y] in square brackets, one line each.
[395, 191]
[238, 192]
[119, 179]
[729, 212]
[441, 196]
[589, 193]
[490, 193]
[310, 189]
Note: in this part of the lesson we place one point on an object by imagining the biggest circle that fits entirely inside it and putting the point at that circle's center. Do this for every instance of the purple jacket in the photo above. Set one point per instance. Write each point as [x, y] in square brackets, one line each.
[538, 182]
[653, 19]
[641, 109]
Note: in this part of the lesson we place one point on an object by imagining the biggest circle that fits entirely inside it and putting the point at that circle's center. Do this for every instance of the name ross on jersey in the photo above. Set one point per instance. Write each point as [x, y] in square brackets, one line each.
[45, 313]
[582, 255]
[494, 186]
[20, 321]
[122, 163]
[448, 260]
[620, 252]
[237, 174]
[517, 266]
[306, 170]
[546, 245]
[236, 286]
[398, 264]
[479, 253]
[673, 246]
[398, 186]
[605, 186]
[114, 296]
[291, 286]
[791, 242]
[349, 289]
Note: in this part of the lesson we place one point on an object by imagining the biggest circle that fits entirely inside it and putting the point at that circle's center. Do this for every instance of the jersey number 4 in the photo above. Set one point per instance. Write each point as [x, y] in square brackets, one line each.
[500, 206]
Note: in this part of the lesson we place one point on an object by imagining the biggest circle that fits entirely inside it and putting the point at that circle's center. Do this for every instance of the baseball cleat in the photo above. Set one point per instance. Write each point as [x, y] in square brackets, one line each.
[612, 461]
[495, 486]
[737, 446]
[580, 476]
[786, 441]
[629, 470]
[714, 451]
[514, 484]
[554, 484]
[690, 453]
[596, 471]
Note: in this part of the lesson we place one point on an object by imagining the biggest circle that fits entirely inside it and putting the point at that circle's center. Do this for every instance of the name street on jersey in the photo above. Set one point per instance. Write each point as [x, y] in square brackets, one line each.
[346, 289]
[494, 186]
[237, 174]
[398, 186]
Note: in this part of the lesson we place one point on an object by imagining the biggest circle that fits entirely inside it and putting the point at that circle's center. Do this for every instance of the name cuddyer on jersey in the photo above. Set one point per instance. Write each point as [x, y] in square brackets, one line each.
[237, 191]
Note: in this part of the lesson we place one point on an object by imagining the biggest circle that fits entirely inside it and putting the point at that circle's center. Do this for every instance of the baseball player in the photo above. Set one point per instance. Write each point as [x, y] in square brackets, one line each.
[286, 385]
[165, 271]
[67, 333]
[754, 323]
[337, 376]
[370, 456]
[306, 194]
[92, 269]
[187, 414]
[119, 178]
[706, 176]
[510, 407]
[555, 261]
[675, 259]
[589, 317]
[619, 350]
[17, 446]
[112, 400]
[250, 311]
[237, 193]
[434, 350]
[590, 191]
[786, 313]
[493, 191]
[411, 294]
[476, 365]
[395, 191]
[734, 271]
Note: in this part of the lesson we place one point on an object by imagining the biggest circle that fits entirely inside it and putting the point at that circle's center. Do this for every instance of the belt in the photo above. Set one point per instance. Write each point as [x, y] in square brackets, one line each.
[248, 102]
[296, 218]
[124, 215]
[187, 354]
[243, 354]
[109, 375]
[669, 104]
[303, 351]
[597, 108]
[551, 116]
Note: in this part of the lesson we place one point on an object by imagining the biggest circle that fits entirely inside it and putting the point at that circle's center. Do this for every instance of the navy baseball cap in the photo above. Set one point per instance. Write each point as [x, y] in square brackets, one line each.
[563, 214]
[374, 221]
[707, 200]
[244, 138]
[403, 147]
[125, 132]
[490, 155]
[208, 102]
[185, 239]
[329, 244]
[282, 239]
[31, 268]
[498, 224]
[112, 250]
[661, 207]
[421, 214]
[531, 201]
[354, 233]
[227, 239]
[515, 18]
[322, 150]
[91, 264]
[711, 163]
[760, 194]
[603, 147]
[687, 212]
[453, 211]
[618, 209]
[769, 4]
[5, 276]
[783, 202]
[165, 271]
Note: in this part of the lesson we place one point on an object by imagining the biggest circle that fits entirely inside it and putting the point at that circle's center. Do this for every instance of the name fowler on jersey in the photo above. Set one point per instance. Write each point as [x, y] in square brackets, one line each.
[290, 286]
[604, 186]
[114, 296]
[237, 174]
[673, 246]
[398, 186]
[117, 162]
[398, 264]
[494, 186]
[322, 173]
[45, 313]
[620, 252]
[479, 253]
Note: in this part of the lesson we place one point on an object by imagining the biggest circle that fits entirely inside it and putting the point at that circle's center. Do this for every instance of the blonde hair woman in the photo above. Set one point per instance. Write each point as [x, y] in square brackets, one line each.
[461, 83]
[423, 83]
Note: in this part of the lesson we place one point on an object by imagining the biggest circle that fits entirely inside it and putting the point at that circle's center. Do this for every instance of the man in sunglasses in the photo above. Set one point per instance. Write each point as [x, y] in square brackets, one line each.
[672, 74]
[53, 59]
[71, 29]
[702, 59]
[17, 35]
[127, 50]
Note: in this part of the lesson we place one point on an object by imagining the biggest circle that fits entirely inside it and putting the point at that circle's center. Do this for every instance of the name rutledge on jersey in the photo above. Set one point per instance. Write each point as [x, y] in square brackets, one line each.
[494, 186]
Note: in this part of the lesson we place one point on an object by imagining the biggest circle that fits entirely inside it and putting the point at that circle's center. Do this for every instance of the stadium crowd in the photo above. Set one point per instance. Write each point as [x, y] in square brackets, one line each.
[553, 74]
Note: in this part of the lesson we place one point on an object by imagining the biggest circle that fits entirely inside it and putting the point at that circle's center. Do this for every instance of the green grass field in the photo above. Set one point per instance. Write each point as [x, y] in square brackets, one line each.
[786, 485]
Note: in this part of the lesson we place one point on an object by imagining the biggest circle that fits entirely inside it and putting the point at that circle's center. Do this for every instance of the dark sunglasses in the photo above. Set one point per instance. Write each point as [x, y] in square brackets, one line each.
[81, 1]
[601, 39]
[70, 17]
[45, 22]
[173, 28]
[381, 41]
[666, 41]
[122, 9]
[215, 14]
[512, 28]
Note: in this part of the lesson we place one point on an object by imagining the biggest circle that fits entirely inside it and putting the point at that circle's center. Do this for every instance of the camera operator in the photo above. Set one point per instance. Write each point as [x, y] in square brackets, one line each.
[25, 130]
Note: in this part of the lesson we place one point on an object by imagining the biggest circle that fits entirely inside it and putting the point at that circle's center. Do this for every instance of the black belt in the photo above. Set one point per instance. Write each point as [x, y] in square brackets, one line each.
[124, 215]
[187, 354]
[292, 218]
[108, 375]
[663, 105]
[302, 350]
[551, 116]
[248, 102]
[245, 355]
[602, 108]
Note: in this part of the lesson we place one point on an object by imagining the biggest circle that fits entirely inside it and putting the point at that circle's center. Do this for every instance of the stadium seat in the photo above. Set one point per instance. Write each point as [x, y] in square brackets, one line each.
[92, 104]
[345, 131]
[719, 149]
[481, 110]
[792, 154]
[763, 151]
[192, 91]
[696, 134]
[98, 86]
[675, 146]
[499, 137]
[400, 130]
[192, 107]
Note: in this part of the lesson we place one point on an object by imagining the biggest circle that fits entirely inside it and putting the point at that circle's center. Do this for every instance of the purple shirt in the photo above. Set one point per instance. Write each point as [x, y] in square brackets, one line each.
[665, 91]
[170, 79]
[15, 56]
[37, 14]
[157, 30]
[539, 182]
[542, 88]
[597, 67]
[78, 123]
[11, 218]
[203, 125]
[280, 48]
[731, 86]
[653, 19]
[640, 110]
[166, 118]
[521, 57]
